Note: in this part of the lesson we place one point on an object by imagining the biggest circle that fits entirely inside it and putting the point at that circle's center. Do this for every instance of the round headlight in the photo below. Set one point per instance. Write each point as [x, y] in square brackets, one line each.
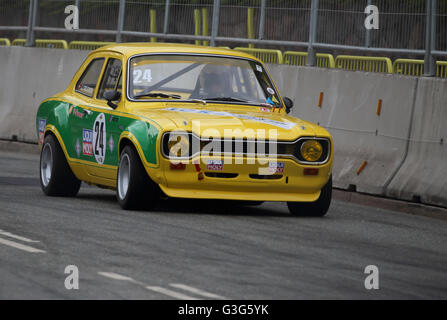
[311, 150]
[178, 145]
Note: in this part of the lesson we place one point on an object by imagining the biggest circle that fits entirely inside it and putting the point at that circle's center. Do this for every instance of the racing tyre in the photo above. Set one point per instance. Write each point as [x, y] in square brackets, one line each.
[134, 190]
[56, 177]
[313, 209]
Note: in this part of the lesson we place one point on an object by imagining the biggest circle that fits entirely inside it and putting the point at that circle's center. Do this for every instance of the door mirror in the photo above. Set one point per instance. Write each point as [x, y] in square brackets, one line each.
[288, 103]
[112, 95]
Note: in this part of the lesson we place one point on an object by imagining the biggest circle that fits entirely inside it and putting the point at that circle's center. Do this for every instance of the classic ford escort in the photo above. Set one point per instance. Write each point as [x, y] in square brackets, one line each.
[152, 120]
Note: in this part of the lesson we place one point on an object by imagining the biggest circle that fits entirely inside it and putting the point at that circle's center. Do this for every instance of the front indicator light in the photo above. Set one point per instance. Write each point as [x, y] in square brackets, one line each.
[310, 171]
[177, 166]
[311, 150]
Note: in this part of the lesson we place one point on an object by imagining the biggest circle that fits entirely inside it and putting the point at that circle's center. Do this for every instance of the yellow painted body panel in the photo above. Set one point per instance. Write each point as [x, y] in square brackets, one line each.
[293, 186]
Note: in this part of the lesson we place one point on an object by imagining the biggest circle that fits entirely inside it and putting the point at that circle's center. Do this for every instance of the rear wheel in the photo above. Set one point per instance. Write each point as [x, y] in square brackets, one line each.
[313, 209]
[56, 177]
[134, 190]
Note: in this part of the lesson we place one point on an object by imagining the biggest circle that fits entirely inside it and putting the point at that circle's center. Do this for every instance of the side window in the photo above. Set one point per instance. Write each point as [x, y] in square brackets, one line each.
[111, 77]
[87, 83]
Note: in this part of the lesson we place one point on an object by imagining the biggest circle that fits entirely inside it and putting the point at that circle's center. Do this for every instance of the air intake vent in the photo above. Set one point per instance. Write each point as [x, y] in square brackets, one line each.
[221, 175]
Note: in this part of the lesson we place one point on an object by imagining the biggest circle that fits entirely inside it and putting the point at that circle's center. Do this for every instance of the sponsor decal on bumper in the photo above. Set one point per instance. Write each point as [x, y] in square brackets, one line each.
[215, 165]
[276, 167]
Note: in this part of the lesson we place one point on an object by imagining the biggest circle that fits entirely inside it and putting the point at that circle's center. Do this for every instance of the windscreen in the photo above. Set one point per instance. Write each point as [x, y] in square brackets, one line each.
[209, 78]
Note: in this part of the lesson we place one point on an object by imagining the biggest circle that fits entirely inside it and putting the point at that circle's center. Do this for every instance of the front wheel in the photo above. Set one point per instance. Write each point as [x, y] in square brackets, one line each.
[134, 190]
[313, 209]
[56, 177]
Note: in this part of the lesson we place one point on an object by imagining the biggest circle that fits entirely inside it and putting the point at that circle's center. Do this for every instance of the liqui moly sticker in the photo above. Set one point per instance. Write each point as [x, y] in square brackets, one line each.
[87, 142]
[42, 125]
[215, 165]
[276, 167]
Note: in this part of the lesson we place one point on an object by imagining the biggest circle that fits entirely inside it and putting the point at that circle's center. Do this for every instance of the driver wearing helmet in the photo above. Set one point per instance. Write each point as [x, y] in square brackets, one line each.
[213, 81]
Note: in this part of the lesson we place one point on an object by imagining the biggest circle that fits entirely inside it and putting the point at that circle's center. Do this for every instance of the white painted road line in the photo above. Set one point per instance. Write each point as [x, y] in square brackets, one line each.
[11, 235]
[115, 276]
[20, 246]
[167, 292]
[197, 291]
[170, 293]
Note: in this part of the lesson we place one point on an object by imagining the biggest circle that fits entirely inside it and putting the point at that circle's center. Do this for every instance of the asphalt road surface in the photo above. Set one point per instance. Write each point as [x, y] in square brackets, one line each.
[205, 249]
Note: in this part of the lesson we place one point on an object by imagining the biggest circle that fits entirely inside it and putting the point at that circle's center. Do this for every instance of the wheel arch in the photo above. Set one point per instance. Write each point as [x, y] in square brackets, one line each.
[128, 139]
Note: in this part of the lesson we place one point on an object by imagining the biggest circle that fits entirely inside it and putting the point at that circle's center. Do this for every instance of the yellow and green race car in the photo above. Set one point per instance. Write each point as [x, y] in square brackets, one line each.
[152, 120]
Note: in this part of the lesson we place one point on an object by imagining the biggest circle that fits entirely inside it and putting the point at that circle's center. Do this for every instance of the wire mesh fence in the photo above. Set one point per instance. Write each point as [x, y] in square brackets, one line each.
[287, 20]
[402, 23]
[441, 25]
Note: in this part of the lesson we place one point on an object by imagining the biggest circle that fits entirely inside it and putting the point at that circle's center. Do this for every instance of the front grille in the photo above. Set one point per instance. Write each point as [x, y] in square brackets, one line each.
[243, 147]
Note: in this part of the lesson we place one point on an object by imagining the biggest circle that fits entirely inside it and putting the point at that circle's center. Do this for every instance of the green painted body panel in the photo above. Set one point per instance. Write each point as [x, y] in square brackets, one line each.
[76, 126]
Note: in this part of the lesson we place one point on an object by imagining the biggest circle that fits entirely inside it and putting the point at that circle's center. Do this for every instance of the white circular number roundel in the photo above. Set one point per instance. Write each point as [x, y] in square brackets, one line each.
[99, 138]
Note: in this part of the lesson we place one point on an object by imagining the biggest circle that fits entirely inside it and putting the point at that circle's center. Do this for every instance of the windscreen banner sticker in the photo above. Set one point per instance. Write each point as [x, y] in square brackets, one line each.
[284, 125]
[259, 68]
[99, 138]
[42, 125]
[215, 165]
[87, 140]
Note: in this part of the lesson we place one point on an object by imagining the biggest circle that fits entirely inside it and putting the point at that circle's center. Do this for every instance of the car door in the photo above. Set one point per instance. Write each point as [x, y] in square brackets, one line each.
[95, 123]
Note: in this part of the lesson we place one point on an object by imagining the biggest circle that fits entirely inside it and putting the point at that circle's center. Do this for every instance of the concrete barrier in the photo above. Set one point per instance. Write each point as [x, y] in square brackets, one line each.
[423, 175]
[349, 106]
[28, 76]
[403, 144]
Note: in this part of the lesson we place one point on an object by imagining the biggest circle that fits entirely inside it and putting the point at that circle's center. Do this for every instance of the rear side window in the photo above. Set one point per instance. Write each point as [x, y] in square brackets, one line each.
[87, 83]
[111, 77]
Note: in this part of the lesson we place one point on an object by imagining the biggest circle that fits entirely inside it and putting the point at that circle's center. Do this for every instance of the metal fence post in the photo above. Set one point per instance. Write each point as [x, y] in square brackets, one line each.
[429, 61]
[262, 20]
[311, 59]
[205, 19]
[33, 7]
[166, 20]
[215, 26]
[121, 14]
[434, 24]
[153, 23]
[368, 31]
[250, 25]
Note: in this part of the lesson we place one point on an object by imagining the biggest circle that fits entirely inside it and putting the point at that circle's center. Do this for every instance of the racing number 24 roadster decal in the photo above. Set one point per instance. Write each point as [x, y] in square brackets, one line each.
[99, 138]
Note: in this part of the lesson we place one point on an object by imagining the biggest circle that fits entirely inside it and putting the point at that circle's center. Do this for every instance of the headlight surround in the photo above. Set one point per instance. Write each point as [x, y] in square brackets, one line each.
[311, 150]
[177, 145]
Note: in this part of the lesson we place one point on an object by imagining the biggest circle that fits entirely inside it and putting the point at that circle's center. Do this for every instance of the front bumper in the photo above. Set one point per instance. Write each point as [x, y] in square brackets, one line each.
[244, 179]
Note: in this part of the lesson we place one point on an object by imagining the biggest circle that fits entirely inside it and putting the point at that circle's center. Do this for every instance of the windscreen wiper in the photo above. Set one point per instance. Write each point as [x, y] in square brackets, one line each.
[226, 99]
[158, 95]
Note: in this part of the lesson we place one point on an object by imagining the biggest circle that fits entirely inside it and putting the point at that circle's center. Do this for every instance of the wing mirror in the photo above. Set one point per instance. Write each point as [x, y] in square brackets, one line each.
[288, 103]
[112, 95]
